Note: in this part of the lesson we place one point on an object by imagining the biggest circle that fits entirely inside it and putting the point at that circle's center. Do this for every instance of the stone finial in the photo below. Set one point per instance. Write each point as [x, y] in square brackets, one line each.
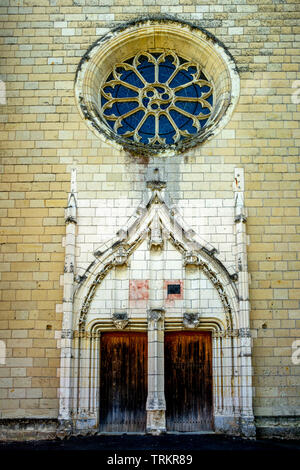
[156, 239]
[240, 214]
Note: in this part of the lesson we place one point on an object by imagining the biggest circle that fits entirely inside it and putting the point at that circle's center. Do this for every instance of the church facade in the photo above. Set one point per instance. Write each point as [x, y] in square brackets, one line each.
[149, 237]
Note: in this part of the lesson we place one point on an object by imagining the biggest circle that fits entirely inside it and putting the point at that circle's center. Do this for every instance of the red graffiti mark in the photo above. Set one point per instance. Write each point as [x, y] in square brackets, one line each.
[138, 290]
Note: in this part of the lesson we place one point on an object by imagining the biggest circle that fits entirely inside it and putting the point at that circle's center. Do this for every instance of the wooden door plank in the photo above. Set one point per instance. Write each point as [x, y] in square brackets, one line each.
[123, 382]
[188, 381]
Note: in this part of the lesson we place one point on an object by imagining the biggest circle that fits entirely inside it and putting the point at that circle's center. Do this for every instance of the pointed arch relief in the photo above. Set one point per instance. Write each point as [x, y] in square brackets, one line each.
[157, 228]
[158, 275]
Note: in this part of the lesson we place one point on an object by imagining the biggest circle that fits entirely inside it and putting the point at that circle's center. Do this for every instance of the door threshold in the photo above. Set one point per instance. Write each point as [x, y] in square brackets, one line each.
[136, 433]
[190, 432]
[121, 433]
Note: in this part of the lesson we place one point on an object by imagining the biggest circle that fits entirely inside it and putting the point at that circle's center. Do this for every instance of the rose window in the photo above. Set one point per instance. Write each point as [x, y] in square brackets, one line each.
[156, 98]
[156, 87]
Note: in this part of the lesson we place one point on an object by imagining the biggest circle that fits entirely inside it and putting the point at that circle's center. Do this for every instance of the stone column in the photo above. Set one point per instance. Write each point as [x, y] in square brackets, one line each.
[84, 381]
[240, 219]
[65, 391]
[93, 383]
[156, 404]
[217, 371]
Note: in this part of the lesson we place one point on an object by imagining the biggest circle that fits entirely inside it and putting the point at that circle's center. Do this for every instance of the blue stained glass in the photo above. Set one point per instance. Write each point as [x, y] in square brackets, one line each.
[147, 70]
[183, 122]
[180, 119]
[166, 69]
[181, 78]
[158, 110]
[189, 106]
[146, 130]
[124, 91]
[166, 129]
[123, 108]
[130, 123]
[128, 76]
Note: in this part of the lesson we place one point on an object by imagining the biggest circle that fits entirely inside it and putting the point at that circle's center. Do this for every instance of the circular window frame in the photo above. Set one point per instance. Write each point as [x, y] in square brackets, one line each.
[151, 34]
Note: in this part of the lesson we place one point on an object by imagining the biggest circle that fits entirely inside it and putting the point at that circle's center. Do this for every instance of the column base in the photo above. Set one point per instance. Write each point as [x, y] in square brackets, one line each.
[156, 422]
[235, 425]
[65, 428]
[247, 426]
[227, 424]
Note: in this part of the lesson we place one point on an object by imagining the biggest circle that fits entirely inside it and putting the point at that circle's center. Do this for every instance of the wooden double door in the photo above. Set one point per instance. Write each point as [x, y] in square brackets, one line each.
[124, 374]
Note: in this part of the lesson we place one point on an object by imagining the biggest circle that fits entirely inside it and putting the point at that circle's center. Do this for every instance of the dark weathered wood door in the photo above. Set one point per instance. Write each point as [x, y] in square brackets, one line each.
[188, 381]
[123, 382]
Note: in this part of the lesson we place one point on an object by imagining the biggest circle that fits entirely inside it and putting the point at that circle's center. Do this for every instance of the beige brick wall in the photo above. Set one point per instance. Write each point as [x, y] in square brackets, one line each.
[42, 135]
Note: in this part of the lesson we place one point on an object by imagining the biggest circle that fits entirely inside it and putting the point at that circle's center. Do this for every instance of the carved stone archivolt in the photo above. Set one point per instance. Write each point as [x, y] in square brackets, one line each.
[157, 223]
[91, 293]
[191, 258]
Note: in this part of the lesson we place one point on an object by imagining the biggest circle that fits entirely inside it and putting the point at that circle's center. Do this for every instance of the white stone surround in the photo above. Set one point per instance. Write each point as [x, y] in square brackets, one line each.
[121, 283]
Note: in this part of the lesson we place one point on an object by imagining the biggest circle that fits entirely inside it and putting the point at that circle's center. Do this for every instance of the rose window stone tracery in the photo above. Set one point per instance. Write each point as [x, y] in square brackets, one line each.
[156, 98]
[156, 87]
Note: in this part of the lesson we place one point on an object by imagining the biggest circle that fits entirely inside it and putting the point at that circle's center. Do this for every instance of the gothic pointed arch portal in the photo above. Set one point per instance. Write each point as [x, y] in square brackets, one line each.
[158, 276]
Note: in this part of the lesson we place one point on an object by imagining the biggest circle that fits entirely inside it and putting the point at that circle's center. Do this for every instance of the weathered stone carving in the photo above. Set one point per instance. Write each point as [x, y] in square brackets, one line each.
[155, 179]
[155, 314]
[66, 334]
[156, 403]
[71, 210]
[232, 333]
[193, 253]
[120, 320]
[191, 320]
[219, 334]
[191, 258]
[240, 213]
[121, 257]
[69, 268]
[156, 239]
[245, 333]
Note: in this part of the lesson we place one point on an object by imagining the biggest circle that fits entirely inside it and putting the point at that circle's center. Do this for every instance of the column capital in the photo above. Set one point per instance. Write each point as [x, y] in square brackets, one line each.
[155, 314]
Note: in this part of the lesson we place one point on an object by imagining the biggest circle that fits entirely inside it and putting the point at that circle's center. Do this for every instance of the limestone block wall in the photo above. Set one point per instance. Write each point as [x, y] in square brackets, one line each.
[43, 137]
